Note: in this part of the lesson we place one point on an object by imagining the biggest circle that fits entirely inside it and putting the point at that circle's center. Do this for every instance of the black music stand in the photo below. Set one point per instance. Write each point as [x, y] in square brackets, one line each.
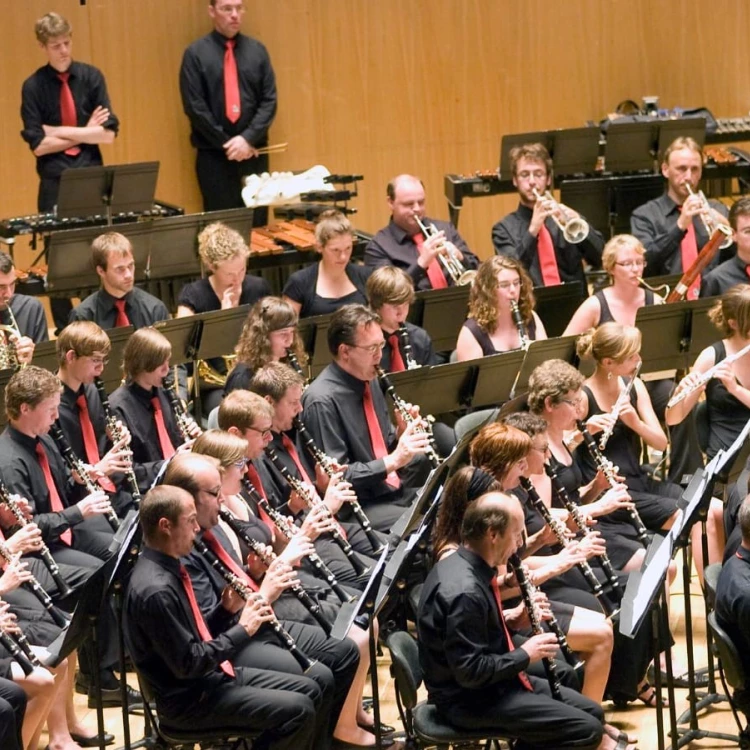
[306, 330]
[690, 127]
[45, 355]
[563, 347]
[627, 194]
[666, 331]
[220, 331]
[441, 312]
[184, 336]
[438, 389]
[591, 199]
[556, 304]
[428, 494]
[703, 333]
[545, 137]
[495, 377]
[630, 147]
[321, 355]
[575, 150]
[112, 373]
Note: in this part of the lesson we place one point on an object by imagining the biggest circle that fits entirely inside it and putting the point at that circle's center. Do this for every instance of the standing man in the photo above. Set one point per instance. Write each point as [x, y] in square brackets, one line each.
[229, 95]
[736, 270]
[403, 245]
[531, 235]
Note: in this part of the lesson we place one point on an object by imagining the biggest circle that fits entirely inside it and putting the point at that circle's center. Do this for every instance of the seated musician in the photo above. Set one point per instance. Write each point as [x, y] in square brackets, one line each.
[119, 302]
[20, 312]
[474, 674]
[734, 270]
[390, 292]
[670, 227]
[492, 326]
[321, 288]
[12, 708]
[185, 660]
[530, 234]
[402, 243]
[268, 335]
[347, 416]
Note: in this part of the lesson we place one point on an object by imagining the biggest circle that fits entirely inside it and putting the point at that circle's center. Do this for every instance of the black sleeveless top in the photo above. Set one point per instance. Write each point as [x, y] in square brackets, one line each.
[484, 340]
[605, 316]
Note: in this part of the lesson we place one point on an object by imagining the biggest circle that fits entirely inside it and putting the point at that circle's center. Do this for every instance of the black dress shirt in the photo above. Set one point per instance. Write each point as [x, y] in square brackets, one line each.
[392, 246]
[200, 296]
[655, 225]
[163, 638]
[421, 348]
[724, 276]
[40, 105]
[70, 422]
[301, 287]
[142, 309]
[463, 648]
[239, 378]
[733, 602]
[511, 237]
[202, 89]
[29, 315]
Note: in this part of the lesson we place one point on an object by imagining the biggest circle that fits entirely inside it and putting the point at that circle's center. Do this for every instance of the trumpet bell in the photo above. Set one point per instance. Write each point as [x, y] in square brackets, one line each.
[729, 238]
[576, 230]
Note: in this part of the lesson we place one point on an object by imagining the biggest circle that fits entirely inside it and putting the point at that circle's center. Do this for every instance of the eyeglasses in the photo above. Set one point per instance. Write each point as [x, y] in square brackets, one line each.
[372, 349]
[631, 263]
[572, 401]
[229, 8]
[242, 463]
[263, 433]
[99, 362]
[542, 449]
[214, 491]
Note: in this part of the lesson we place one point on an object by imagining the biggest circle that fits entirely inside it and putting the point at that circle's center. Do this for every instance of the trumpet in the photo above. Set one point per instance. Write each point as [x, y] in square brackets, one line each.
[618, 406]
[8, 351]
[447, 257]
[710, 224]
[523, 335]
[403, 334]
[574, 228]
[705, 377]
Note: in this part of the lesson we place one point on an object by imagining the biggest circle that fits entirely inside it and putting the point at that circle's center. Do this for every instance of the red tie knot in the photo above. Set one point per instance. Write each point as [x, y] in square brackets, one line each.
[63, 77]
[231, 43]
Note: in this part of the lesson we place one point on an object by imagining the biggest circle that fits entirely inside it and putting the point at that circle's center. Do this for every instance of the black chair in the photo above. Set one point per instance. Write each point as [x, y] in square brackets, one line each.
[422, 722]
[731, 671]
[710, 580]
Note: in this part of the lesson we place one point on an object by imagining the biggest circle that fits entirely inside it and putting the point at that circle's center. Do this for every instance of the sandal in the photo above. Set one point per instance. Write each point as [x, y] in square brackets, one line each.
[618, 735]
[647, 696]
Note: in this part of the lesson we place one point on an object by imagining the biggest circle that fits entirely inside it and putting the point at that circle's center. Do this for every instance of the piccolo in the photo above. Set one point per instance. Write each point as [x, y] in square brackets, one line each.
[75, 464]
[267, 558]
[246, 593]
[403, 334]
[188, 427]
[63, 588]
[116, 432]
[523, 335]
[328, 465]
[617, 407]
[312, 501]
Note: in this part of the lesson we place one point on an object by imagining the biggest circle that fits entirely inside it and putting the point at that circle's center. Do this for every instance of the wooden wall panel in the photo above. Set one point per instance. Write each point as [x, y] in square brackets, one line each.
[427, 86]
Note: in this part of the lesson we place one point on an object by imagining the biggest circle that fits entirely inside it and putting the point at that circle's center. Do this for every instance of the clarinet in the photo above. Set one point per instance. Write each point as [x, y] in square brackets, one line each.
[36, 588]
[610, 472]
[49, 562]
[328, 465]
[293, 362]
[188, 427]
[403, 334]
[298, 486]
[523, 335]
[267, 559]
[400, 405]
[75, 464]
[244, 591]
[115, 431]
[287, 529]
[559, 531]
[527, 593]
[27, 660]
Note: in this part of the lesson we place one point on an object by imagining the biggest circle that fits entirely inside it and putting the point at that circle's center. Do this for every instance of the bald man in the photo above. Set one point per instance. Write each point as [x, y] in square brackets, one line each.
[402, 244]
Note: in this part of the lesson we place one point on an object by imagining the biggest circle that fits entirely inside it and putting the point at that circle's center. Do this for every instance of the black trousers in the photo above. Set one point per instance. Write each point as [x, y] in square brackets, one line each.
[12, 710]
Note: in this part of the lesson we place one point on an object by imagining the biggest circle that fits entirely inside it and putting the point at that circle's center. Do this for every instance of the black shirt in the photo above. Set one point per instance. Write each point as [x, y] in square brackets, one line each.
[655, 225]
[29, 315]
[40, 105]
[511, 237]
[301, 287]
[485, 341]
[70, 421]
[142, 309]
[463, 649]
[392, 246]
[202, 90]
[733, 602]
[239, 378]
[421, 348]
[724, 276]
[200, 296]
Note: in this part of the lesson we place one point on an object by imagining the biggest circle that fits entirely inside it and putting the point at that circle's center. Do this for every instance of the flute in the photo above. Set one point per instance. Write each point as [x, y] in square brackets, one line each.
[328, 465]
[403, 334]
[188, 427]
[75, 464]
[267, 558]
[617, 407]
[115, 430]
[246, 593]
[523, 335]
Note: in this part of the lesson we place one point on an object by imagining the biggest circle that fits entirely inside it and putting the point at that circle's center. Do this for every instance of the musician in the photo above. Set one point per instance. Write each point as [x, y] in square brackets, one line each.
[403, 245]
[530, 234]
[474, 674]
[390, 292]
[321, 288]
[143, 406]
[347, 416]
[118, 302]
[228, 93]
[491, 326]
[734, 270]
[268, 335]
[183, 667]
[12, 709]
[21, 312]
[670, 227]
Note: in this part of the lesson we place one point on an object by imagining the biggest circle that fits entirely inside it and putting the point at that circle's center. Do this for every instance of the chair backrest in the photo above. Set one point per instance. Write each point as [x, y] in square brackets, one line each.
[710, 581]
[405, 666]
[730, 657]
[212, 422]
[471, 421]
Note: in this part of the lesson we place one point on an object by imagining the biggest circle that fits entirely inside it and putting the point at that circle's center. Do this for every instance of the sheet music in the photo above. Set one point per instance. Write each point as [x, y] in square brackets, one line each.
[652, 577]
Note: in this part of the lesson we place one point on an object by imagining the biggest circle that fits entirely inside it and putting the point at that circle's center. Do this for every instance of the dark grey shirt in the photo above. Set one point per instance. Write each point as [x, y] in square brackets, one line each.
[733, 602]
[142, 309]
[30, 318]
[724, 276]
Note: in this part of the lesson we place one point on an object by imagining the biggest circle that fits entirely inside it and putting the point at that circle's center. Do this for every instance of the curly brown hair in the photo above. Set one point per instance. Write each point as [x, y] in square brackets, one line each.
[733, 305]
[483, 296]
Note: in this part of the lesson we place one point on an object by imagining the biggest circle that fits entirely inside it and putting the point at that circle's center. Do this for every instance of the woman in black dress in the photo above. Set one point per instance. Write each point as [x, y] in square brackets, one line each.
[332, 282]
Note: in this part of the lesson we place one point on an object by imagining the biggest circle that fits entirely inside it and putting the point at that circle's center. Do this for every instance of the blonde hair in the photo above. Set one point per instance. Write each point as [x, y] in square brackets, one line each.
[240, 409]
[617, 243]
[226, 447]
[680, 143]
[84, 338]
[51, 26]
[733, 305]
[218, 243]
[146, 351]
[331, 224]
[483, 295]
[609, 341]
[389, 285]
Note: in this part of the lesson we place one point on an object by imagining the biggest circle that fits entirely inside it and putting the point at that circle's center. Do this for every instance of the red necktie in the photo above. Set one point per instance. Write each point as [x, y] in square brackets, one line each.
[434, 270]
[231, 84]
[376, 435]
[498, 599]
[689, 252]
[89, 440]
[547, 259]
[200, 623]
[165, 444]
[215, 546]
[54, 496]
[254, 477]
[68, 115]
[397, 361]
[122, 319]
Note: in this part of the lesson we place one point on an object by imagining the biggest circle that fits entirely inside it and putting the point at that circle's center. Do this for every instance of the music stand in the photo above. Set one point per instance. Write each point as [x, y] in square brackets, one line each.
[184, 336]
[45, 356]
[575, 150]
[112, 373]
[669, 130]
[441, 312]
[556, 304]
[630, 147]
[665, 333]
[591, 199]
[221, 330]
[429, 493]
[495, 377]
[306, 330]
[563, 347]
[438, 389]
[627, 194]
[703, 333]
[512, 140]
[321, 356]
